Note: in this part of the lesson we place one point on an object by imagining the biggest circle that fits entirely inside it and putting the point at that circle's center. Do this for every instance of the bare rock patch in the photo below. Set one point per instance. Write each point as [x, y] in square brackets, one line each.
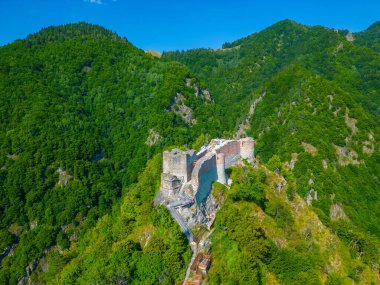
[180, 109]
[337, 213]
[346, 156]
[310, 148]
[351, 122]
[64, 178]
[369, 145]
[153, 137]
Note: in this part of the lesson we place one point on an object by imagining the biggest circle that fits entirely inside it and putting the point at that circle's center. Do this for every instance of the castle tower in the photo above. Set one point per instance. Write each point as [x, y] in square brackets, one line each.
[179, 163]
[247, 147]
[220, 168]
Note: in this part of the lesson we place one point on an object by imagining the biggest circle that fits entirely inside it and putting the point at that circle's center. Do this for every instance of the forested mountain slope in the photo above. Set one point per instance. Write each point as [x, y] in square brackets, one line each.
[82, 110]
[85, 115]
[320, 89]
[236, 73]
[370, 37]
[318, 121]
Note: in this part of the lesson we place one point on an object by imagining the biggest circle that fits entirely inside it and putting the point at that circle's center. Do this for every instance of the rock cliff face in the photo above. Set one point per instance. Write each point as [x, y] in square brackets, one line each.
[199, 92]
[185, 112]
[196, 214]
[153, 138]
[188, 176]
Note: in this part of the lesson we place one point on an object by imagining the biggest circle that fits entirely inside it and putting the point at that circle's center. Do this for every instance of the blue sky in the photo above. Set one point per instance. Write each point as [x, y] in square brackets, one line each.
[172, 25]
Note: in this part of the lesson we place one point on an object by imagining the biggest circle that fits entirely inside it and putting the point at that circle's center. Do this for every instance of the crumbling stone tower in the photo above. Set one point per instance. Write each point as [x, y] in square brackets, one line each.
[177, 167]
[179, 163]
[247, 146]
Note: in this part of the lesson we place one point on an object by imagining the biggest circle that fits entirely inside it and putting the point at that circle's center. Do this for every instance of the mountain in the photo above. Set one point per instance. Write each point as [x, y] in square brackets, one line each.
[315, 94]
[370, 37]
[85, 116]
[318, 88]
[82, 111]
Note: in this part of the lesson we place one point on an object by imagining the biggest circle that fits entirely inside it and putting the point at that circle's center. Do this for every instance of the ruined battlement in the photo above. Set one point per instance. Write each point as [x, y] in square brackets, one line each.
[196, 172]
[178, 163]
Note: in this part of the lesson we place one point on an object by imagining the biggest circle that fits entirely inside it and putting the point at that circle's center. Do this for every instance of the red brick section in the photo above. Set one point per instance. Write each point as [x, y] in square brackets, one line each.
[231, 151]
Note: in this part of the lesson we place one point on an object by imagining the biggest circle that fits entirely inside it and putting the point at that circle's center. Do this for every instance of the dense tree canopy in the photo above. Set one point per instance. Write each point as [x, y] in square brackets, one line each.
[317, 125]
[321, 102]
[85, 115]
[77, 106]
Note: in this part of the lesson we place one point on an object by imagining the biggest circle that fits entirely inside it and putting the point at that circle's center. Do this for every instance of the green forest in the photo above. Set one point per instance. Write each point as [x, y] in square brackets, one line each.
[85, 116]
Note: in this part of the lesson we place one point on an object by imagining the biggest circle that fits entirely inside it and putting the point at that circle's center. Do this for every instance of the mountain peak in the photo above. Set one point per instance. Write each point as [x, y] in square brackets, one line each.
[374, 26]
[286, 23]
[370, 37]
[69, 31]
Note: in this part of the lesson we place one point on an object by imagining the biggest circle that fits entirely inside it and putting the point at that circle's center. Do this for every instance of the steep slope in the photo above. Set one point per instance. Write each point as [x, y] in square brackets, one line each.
[370, 37]
[82, 110]
[318, 121]
[336, 80]
[331, 138]
[135, 244]
[236, 74]
[267, 234]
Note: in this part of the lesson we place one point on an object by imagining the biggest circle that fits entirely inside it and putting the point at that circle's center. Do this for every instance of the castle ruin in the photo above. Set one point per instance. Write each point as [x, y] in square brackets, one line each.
[187, 178]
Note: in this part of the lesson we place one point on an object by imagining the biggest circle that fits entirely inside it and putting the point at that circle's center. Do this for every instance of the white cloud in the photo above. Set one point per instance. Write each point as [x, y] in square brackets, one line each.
[99, 2]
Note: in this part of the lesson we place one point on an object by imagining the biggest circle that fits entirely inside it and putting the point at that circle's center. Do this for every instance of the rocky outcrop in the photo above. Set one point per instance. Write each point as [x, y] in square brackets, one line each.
[63, 177]
[312, 194]
[310, 148]
[29, 270]
[346, 156]
[350, 37]
[7, 251]
[202, 213]
[337, 213]
[152, 138]
[290, 164]
[205, 94]
[180, 109]
[339, 48]
[350, 122]
[369, 145]
[199, 92]
[12, 156]
[154, 53]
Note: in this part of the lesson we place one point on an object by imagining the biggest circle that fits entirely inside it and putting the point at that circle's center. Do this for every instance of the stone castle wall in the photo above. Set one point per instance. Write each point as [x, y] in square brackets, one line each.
[204, 174]
[247, 146]
[231, 151]
[200, 170]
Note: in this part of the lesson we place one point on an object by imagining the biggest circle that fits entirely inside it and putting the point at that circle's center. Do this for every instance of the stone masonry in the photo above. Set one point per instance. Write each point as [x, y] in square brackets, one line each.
[187, 178]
